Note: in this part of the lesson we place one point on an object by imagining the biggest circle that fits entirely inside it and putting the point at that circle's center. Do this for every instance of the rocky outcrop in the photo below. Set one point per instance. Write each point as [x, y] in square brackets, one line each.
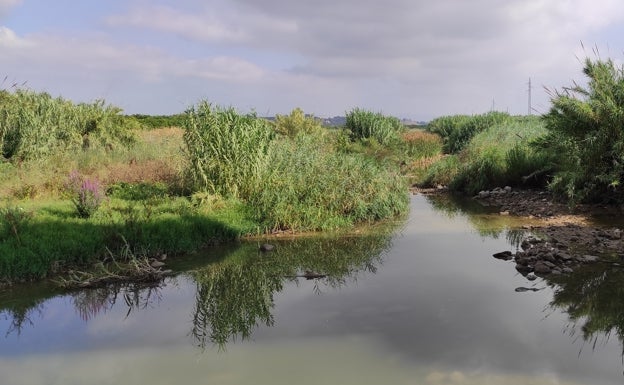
[562, 249]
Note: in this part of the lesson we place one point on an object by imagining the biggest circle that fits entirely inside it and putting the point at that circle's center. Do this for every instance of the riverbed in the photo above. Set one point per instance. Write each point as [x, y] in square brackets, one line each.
[420, 301]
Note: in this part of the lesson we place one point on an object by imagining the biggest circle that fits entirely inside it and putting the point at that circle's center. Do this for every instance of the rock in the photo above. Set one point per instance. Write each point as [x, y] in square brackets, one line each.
[541, 268]
[522, 269]
[504, 255]
[157, 264]
[483, 194]
[563, 256]
[507, 189]
[163, 257]
[531, 277]
[589, 258]
[267, 247]
[567, 270]
[548, 257]
[504, 213]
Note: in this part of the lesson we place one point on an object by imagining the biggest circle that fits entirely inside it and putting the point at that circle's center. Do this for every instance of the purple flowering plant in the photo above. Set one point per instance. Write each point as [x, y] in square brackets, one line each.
[86, 194]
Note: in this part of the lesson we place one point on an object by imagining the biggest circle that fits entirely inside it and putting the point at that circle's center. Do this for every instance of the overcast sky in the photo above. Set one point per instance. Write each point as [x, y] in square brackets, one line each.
[408, 58]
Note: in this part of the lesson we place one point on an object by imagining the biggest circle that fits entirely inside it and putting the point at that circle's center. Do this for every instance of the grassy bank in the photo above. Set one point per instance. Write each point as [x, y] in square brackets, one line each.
[502, 152]
[222, 176]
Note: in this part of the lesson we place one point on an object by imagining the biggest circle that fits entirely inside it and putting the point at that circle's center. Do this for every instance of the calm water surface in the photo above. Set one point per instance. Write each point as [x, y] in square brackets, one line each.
[423, 304]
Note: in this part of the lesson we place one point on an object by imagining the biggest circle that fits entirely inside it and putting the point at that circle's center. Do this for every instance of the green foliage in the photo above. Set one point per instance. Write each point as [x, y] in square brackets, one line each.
[442, 172]
[12, 221]
[586, 135]
[297, 122]
[159, 121]
[137, 191]
[457, 130]
[35, 126]
[365, 124]
[417, 144]
[500, 155]
[227, 151]
[311, 187]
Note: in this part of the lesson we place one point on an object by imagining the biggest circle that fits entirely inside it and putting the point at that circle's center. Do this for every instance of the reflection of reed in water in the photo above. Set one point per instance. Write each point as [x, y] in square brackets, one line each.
[234, 295]
[91, 302]
[237, 295]
[593, 298]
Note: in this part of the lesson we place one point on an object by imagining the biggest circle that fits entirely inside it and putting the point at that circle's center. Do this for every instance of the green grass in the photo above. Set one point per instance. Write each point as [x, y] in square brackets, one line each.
[500, 155]
[54, 238]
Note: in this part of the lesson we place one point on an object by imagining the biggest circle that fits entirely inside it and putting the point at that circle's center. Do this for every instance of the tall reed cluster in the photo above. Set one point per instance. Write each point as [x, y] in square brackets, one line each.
[34, 126]
[297, 180]
[227, 152]
[457, 130]
[365, 124]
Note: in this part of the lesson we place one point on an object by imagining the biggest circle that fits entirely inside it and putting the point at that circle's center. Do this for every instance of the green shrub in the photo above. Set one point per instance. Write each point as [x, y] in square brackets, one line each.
[137, 191]
[373, 125]
[297, 122]
[85, 193]
[586, 134]
[227, 151]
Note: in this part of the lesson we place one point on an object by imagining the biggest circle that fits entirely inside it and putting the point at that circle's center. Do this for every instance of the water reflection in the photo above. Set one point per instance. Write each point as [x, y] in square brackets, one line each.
[233, 295]
[90, 303]
[236, 295]
[593, 298]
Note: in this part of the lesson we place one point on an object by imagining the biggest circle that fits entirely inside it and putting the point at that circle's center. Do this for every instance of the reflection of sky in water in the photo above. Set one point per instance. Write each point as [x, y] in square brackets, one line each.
[440, 310]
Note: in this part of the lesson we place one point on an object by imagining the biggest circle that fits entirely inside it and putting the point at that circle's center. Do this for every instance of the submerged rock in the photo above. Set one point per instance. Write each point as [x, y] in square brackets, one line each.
[267, 247]
[504, 255]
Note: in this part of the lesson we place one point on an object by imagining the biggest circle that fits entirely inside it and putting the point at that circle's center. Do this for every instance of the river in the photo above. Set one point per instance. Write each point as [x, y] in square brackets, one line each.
[421, 301]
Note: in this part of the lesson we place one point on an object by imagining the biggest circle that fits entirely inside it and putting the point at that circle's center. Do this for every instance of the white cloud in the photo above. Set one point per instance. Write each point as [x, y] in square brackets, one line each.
[410, 57]
[9, 39]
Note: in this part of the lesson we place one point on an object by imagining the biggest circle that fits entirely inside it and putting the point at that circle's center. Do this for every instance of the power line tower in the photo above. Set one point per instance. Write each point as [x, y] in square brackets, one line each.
[530, 109]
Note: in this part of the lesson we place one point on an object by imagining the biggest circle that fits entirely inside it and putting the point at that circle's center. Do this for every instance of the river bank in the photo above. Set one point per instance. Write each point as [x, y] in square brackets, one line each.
[560, 238]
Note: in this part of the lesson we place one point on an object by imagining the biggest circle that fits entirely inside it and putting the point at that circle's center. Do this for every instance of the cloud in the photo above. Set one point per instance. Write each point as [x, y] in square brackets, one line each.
[8, 39]
[401, 56]
[94, 55]
[6, 5]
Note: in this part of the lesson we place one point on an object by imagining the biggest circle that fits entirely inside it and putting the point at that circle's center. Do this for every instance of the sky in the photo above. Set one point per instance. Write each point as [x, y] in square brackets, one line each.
[412, 59]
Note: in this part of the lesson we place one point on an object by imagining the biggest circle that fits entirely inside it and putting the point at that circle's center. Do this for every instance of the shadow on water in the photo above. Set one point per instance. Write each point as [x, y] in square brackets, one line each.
[234, 292]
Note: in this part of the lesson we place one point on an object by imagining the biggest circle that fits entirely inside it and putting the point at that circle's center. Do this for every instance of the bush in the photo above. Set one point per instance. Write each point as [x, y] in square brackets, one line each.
[586, 135]
[86, 194]
[297, 122]
[227, 152]
[34, 126]
[370, 125]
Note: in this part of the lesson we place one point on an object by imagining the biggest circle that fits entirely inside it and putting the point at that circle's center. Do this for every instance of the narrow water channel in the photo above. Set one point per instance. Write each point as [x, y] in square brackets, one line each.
[421, 302]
